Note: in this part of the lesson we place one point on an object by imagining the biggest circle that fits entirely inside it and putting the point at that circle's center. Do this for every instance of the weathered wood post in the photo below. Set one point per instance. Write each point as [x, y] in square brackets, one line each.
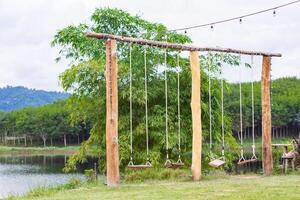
[266, 117]
[112, 150]
[196, 116]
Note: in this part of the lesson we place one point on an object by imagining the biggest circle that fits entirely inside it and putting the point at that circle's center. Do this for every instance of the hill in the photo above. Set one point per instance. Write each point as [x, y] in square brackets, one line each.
[14, 98]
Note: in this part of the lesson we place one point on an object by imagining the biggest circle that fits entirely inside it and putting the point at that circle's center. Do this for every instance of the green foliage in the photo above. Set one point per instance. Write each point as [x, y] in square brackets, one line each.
[48, 121]
[156, 174]
[90, 175]
[285, 95]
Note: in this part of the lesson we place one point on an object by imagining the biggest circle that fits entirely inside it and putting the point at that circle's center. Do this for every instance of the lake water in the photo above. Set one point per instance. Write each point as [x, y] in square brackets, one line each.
[19, 174]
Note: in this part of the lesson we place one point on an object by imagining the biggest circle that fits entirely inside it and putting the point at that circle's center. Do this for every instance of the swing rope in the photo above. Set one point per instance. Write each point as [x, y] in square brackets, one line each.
[178, 107]
[130, 105]
[166, 107]
[241, 116]
[209, 104]
[146, 106]
[214, 162]
[253, 111]
[222, 110]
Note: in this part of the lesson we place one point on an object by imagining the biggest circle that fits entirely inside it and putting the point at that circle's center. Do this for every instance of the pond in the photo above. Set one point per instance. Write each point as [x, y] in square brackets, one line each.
[20, 174]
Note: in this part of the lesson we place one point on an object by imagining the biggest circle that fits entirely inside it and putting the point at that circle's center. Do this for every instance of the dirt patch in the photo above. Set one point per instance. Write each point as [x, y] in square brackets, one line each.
[247, 177]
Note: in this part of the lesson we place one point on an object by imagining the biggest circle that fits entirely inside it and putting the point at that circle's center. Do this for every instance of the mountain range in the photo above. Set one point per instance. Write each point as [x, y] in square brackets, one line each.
[14, 98]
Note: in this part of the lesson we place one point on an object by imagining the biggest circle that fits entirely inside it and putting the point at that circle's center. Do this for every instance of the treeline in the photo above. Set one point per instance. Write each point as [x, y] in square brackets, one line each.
[285, 103]
[47, 125]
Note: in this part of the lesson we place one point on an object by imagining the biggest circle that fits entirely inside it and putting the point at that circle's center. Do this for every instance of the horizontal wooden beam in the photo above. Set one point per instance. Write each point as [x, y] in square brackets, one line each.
[182, 47]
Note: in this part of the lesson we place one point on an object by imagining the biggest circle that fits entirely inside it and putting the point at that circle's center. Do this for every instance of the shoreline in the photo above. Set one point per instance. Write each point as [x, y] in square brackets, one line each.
[32, 151]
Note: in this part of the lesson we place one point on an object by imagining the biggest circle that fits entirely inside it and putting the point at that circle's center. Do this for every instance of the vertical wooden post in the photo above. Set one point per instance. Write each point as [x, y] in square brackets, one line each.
[196, 116]
[112, 150]
[266, 117]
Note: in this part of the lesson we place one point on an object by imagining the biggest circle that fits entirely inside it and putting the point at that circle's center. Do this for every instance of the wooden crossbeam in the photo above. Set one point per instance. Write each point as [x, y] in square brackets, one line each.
[182, 47]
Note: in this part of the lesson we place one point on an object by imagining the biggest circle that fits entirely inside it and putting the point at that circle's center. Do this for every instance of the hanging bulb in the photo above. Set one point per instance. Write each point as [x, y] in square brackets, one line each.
[241, 21]
[212, 27]
[274, 13]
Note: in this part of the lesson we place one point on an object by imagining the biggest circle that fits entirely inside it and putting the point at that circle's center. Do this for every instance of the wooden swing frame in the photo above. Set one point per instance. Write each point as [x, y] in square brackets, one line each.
[112, 148]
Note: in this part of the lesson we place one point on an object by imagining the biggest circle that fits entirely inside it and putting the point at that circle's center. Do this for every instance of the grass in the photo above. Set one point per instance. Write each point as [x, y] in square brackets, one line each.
[258, 141]
[23, 151]
[212, 187]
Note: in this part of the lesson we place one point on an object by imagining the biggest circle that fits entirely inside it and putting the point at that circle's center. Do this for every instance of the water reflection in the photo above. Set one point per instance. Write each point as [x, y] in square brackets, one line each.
[19, 174]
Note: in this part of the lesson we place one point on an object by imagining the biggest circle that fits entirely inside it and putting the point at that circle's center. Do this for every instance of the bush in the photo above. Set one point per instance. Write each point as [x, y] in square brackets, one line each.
[73, 183]
[90, 175]
[156, 174]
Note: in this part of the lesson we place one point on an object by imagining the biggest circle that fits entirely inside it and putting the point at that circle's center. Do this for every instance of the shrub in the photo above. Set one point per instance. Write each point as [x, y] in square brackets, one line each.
[90, 175]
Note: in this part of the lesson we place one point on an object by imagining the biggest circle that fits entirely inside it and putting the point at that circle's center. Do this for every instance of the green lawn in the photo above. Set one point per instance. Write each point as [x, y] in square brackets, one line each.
[229, 188]
[8, 150]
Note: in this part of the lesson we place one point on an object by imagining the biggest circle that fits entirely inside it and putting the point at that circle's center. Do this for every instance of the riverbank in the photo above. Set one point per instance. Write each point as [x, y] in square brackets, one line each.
[226, 188]
[24, 151]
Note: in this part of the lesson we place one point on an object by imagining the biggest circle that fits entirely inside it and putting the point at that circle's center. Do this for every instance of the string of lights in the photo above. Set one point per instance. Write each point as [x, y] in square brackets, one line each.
[239, 18]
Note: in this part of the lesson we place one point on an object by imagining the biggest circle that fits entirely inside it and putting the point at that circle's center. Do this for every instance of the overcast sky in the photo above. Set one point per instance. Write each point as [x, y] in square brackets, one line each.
[27, 28]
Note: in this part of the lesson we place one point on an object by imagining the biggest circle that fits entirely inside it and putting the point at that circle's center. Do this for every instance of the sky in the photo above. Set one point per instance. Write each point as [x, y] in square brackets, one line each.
[27, 28]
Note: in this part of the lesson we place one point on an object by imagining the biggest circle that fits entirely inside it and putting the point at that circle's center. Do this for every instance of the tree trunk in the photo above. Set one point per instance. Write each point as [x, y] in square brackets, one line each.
[44, 140]
[65, 140]
[51, 141]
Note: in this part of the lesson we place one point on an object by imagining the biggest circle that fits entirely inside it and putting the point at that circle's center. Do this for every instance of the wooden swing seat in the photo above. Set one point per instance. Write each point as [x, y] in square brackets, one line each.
[175, 165]
[139, 167]
[289, 155]
[243, 162]
[216, 163]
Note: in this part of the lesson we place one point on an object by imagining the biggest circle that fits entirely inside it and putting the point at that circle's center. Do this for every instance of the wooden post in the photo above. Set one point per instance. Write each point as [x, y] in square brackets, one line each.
[196, 116]
[266, 117]
[112, 150]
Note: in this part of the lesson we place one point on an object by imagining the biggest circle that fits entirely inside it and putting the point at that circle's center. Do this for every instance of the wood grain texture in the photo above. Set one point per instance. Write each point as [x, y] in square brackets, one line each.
[196, 116]
[112, 150]
[182, 47]
[266, 117]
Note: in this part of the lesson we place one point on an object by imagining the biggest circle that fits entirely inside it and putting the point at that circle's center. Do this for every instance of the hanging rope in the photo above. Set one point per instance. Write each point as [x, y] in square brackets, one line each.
[178, 107]
[166, 106]
[222, 110]
[241, 116]
[146, 106]
[252, 101]
[209, 104]
[130, 104]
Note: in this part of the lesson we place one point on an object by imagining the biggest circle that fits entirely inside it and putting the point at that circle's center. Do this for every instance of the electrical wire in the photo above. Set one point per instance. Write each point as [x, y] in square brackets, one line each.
[211, 24]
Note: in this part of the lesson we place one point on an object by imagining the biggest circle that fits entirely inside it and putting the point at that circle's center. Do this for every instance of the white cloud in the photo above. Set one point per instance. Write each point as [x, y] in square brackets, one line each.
[27, 27]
